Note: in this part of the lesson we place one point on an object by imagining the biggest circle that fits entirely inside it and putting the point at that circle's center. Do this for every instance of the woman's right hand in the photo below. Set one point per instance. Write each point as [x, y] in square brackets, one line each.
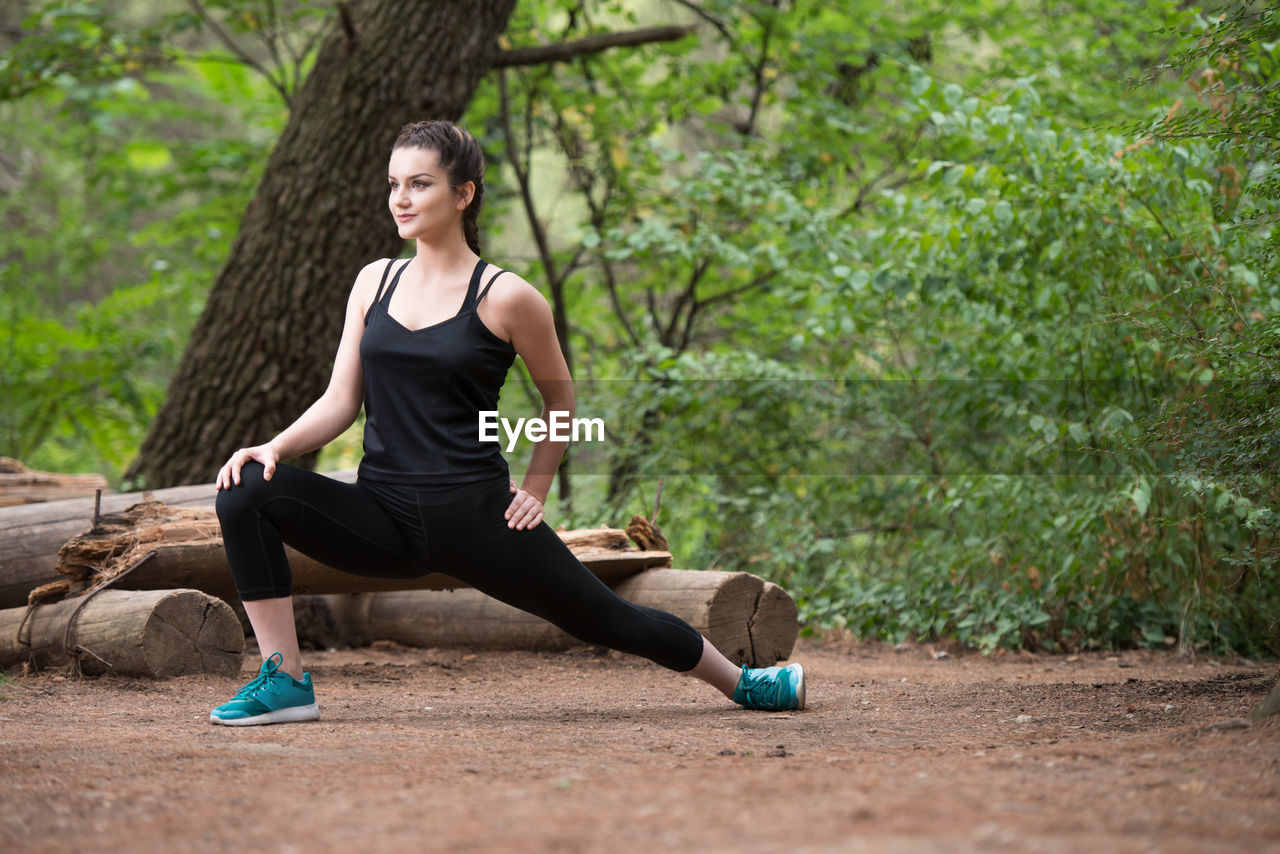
[230, 472]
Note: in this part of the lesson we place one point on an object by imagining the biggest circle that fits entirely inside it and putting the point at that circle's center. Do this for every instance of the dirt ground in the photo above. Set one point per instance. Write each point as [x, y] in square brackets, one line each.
[434, 750]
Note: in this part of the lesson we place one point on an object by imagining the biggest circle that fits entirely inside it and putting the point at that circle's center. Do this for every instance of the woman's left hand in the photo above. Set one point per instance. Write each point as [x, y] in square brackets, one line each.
[525, 510]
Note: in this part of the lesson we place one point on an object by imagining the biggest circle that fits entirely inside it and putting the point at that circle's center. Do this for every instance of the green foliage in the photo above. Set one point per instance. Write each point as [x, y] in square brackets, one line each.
[71, 40]
[937, 432]
[1222, 430]
[126, 196]
[912, 407]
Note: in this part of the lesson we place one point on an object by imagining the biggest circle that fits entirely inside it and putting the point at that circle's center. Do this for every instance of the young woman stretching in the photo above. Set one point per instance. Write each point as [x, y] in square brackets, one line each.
[425, 347]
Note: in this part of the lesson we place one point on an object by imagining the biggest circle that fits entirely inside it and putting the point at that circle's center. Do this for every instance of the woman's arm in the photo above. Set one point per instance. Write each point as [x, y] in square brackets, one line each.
[514, 310]
[335, 410]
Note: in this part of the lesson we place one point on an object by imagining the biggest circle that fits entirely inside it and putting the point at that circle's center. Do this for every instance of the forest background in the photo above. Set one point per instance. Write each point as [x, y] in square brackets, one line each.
[959, 320]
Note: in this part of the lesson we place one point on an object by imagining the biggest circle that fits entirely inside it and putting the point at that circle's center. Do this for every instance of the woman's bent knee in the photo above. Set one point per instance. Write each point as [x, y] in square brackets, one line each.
[248, 494]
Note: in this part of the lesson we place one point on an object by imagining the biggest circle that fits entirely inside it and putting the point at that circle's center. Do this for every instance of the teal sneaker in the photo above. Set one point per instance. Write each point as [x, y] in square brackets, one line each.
[771, 689]
[272, 697]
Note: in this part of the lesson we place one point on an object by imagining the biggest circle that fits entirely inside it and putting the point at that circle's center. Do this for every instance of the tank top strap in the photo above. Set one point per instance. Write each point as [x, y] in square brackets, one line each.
[382, 284]
[395, 280]
[378, 296]
[489, 285]
[472, 286]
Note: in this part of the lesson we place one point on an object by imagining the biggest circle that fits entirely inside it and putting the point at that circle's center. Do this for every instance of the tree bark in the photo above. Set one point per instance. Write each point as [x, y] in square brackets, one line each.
[263, 348]
[151, 633]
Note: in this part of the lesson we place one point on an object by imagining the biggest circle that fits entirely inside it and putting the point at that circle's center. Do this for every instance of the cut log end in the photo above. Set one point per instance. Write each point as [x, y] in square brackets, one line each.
[155, 633]
[774, 626]
[192, 634]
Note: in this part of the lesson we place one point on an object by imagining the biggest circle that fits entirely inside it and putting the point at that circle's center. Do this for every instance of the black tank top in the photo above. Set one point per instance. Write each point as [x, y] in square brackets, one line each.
[424, 390]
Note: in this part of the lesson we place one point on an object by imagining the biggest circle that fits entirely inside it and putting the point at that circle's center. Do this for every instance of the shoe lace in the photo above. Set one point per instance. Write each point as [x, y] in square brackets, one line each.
[261, 681]
[758, 686]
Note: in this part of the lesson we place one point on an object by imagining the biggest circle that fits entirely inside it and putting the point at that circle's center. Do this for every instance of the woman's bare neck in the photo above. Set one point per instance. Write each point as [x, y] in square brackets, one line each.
[435, 261]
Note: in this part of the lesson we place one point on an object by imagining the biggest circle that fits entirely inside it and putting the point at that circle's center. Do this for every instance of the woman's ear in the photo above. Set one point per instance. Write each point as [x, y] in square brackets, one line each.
[466, 192]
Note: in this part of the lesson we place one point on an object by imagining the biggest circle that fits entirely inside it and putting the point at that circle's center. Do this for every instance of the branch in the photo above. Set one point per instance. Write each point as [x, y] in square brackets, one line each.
[564, 51]
[268, 35]
[300, 57]
[758, 281]
[687, 297]
[583, 178]
[231, 45]
[544, 249]
[749, 128]
[709, 18]
[699, 304]
[866, 188]
[522, 179]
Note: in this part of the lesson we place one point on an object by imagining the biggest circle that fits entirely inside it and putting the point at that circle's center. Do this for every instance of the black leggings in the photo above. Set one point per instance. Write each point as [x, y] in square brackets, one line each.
[391, 531]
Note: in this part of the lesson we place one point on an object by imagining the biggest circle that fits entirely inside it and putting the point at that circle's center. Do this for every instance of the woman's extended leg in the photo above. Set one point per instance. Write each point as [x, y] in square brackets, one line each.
[534, 570]
[716, 670]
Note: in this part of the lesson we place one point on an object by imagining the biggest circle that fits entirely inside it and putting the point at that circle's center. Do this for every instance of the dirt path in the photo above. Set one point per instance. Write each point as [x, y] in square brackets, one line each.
[587, 751]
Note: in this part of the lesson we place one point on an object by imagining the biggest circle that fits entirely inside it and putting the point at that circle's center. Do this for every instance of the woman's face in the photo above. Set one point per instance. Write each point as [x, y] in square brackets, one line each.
[421, 200]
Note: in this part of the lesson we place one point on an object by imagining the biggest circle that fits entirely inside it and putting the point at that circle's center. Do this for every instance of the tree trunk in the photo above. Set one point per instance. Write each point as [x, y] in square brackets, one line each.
[263, 348]
[152, 633]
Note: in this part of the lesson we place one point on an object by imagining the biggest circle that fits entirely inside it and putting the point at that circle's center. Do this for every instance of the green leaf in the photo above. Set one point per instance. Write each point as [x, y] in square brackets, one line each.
[1141, 497]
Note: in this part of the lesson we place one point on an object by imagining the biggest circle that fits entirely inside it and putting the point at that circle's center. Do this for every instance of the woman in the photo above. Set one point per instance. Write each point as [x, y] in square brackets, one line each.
[425, 347]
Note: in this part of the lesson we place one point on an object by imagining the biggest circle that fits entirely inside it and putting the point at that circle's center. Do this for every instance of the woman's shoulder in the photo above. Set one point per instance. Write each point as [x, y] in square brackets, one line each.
[380, 271]
[376, 269]
[369, 280]
[512, 307]
[507, 286]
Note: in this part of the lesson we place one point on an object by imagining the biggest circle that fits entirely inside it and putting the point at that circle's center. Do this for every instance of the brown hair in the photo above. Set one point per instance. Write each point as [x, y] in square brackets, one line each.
[460, 157]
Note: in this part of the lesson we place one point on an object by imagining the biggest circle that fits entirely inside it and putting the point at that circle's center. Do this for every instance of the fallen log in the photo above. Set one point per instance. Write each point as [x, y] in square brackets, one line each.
[32, 534]
[20, 485]
[774, 625]
[724, 606]
[717, 604]
[137, 633]
[187, 543]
